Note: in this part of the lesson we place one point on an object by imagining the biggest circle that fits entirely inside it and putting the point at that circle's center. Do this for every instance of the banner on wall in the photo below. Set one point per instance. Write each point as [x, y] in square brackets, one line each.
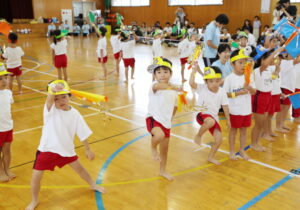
[66, 14]
[265, 6]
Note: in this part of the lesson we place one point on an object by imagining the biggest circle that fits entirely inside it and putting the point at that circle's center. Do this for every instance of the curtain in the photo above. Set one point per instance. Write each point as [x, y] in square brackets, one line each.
[21, 9]
[5, 11]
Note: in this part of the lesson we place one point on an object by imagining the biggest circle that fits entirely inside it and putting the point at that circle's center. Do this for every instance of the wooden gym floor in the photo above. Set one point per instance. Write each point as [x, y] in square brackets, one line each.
[123, 160]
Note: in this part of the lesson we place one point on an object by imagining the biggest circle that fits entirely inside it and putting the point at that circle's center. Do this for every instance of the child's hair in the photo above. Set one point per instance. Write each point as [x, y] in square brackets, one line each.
[223, 48]
[222, 19]
[13, 37]
[164, 67]
[124, 37]
[102, 31]
[56, 33]
[256, 17]
[167, 23]
[234, 36]
[263, 57]
[115, 30]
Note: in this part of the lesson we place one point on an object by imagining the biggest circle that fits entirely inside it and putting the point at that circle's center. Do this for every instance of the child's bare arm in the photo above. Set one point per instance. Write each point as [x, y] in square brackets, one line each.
[165, 86]
[174, 111]
[297, 60]
[88, 153]
[49, 101]
[226, 113]
[96, 29]
[195, 69]
[53, 55]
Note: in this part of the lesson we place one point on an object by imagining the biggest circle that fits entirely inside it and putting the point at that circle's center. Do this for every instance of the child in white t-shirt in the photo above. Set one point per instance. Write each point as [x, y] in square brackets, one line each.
[13, 55]
[59, 54]
[261, 101]
[212, 97]
[116, 47]
[185, 49]
[288, 86]
[61, 123]
[239, 96]
[161, 109]
[6, 126]
[127, 53]
[296, 112]
[101, 48]
[156, 45]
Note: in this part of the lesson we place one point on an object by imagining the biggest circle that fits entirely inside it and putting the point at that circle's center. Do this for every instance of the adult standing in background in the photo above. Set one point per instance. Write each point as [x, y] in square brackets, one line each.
[212, 39]
[181, 15]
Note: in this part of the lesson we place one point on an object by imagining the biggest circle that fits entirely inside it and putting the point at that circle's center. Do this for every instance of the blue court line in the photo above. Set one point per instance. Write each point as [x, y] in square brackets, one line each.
[266, 192]
[99, 201]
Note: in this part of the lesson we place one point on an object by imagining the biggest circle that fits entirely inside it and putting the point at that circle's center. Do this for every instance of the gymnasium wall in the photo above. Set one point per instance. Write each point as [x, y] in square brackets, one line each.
[237, 10]
[52, 8]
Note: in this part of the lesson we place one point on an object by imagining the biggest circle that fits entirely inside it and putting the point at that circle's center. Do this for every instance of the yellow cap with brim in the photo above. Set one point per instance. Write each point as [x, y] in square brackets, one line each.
[3, 70]
[158, 62]
[209, 73]
[64, 86]
[242, 54]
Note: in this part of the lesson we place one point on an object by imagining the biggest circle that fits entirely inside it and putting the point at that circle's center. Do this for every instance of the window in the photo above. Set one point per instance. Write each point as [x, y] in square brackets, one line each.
[130, 3]
[295, 1]
[195, 2]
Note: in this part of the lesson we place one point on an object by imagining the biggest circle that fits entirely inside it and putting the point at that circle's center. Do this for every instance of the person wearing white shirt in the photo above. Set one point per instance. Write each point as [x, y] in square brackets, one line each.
[256, 27]
[185, 50]
[156, 45]
[61, 123]
[127, 53]
[13, 55]
[101, 49]
[251, 38]
[211, 97]
[261, 101]
[239, 92]
[162, 107]
[116, 47]
[274, 107]
[51, 29]
[76, 29]
[225, 36]
[296, 112]
[6, 126]
[288, 86]
[59, 54]
[85, 29]
[168, 29]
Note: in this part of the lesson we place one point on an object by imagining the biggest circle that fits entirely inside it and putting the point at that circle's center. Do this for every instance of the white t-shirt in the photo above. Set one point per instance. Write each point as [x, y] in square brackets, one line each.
[157, 48]
[13, 56]
[297, 71]
[6, 99]
[101, 46]
[60, 48]
[276, 90]
[276, 14]
[168, 30]
[185, 48]
[115, 43]
[210, 100]
[59, 131]
[127, 49]
[288, 75]
[241, 105]
[251, 40]
[161, 105]
[263, 80]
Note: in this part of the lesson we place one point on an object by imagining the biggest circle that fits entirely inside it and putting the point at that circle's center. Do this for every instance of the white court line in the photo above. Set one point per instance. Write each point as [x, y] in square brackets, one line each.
[17, 110]
[53, 75]
[182, 138]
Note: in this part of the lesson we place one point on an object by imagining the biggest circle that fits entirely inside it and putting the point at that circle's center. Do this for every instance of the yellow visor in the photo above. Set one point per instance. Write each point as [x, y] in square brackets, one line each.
[209, 73]
[239, 56]
[61, 85]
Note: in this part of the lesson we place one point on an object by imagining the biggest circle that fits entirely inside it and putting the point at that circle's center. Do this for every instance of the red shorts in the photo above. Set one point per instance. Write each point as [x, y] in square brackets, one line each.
[183, 61]
[296, 112]
[129, 62]
[103, 61]
[275, 104]
[151, 123]
[200, 119]
[48, 161]
[261, 102]
[6, 137]
[117, 55]
[240, 121]
[60, 61]
[285, 101]
[15, 71]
